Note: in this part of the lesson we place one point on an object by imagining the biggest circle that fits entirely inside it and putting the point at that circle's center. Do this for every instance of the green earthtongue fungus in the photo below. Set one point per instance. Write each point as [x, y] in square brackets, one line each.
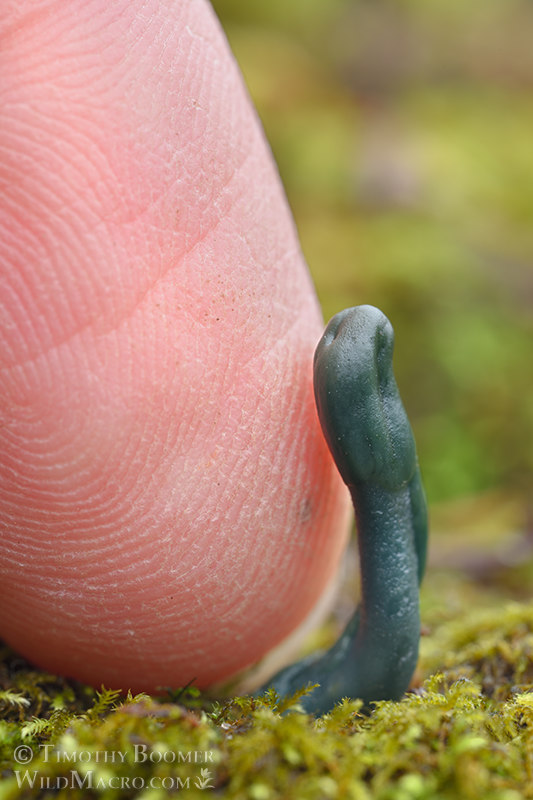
[371, 440]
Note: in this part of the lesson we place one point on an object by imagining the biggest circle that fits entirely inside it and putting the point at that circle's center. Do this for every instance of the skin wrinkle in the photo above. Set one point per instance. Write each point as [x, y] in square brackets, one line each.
[92, 520]
[150, 288]
[22, 16]
[126, 317]
[48, 579]
[98, 528]
[169, 190]
[126, 461]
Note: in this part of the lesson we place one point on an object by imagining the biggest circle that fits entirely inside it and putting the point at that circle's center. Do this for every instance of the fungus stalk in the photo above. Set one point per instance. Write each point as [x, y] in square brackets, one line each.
[371, 440]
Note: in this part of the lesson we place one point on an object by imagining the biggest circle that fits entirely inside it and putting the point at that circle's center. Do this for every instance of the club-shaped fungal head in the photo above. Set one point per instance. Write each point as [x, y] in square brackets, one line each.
[358, 403]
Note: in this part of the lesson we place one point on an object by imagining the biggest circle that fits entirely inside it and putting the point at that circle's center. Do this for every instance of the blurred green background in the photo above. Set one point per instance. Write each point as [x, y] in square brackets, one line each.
[403, 132]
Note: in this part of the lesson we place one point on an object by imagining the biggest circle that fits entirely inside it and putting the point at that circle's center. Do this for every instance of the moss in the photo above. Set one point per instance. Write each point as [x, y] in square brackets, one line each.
[467, 731]
[495, 649]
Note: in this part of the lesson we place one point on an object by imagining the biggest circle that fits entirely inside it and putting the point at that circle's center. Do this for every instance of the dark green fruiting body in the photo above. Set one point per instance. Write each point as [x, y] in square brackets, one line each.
[370, 438]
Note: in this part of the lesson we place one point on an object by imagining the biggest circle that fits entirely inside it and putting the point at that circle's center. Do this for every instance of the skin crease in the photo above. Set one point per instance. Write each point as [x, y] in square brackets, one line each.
[169, 510]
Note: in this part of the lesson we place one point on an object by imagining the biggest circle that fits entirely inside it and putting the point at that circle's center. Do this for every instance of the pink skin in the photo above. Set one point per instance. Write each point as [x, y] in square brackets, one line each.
[168, 507]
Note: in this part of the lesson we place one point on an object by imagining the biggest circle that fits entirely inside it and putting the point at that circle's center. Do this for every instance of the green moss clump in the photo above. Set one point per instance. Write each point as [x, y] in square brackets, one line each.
[466, 732]
[494, 649]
